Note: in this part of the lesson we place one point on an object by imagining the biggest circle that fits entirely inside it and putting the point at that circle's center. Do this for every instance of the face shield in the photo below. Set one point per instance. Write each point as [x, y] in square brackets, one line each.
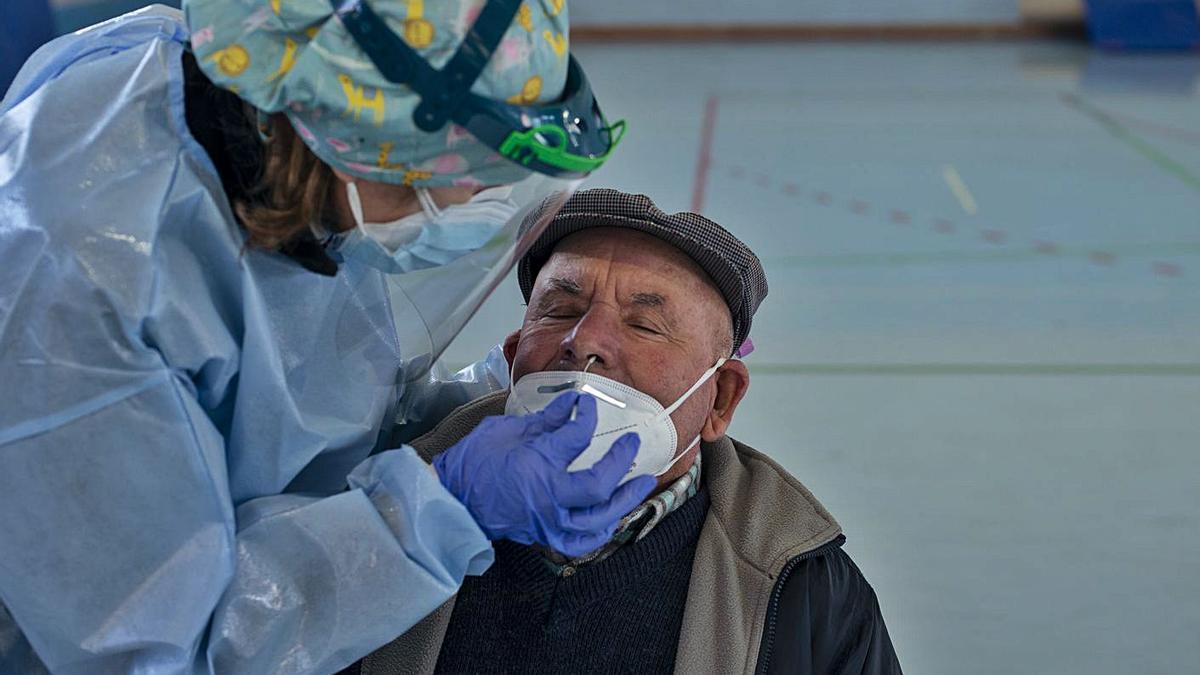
[438, 275]
[436, 280]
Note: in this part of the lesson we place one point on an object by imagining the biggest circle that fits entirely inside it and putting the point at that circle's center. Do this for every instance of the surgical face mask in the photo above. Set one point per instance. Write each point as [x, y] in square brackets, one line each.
[619, 409]
[430, 237]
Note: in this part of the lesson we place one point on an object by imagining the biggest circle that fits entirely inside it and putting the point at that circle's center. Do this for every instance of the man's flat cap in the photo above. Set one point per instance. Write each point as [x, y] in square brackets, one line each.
[732, 266]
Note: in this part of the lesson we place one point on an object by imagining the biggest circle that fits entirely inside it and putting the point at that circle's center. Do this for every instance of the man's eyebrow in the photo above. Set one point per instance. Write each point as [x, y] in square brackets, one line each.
[648, 299]
[564, 285]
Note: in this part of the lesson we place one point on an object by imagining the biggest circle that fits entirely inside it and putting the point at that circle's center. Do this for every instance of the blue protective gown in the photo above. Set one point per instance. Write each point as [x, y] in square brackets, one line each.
[180, 416]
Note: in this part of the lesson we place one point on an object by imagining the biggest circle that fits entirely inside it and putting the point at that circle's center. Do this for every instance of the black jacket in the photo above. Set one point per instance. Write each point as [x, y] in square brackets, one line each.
[823, 617]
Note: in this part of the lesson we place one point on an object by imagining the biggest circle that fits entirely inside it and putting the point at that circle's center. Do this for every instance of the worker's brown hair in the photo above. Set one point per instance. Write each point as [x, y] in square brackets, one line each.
[294, 191]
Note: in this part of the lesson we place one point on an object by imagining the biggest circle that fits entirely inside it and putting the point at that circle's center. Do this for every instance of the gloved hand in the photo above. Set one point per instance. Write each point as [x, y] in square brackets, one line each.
[511, 473]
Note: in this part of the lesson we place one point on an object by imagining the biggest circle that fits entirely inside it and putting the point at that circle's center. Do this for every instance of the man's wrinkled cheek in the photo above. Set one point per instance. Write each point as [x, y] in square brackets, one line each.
[656, 374]
[539, 344]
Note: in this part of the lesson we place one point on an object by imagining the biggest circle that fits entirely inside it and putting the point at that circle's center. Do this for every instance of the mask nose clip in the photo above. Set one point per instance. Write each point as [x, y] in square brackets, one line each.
[555, 388]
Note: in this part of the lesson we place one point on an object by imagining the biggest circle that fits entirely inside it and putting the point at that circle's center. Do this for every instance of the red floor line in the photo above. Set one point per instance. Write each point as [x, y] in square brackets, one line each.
[941, 225]
[704, 161]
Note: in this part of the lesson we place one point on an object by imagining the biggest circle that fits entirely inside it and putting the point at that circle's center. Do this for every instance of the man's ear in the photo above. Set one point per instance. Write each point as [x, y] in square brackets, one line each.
[510, 347]
[733, 381]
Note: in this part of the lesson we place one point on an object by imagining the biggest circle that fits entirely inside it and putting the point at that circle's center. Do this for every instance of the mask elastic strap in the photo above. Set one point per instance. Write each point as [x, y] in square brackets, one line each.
[355, 205]
[679, 456]
[429, 206]
[699, 383]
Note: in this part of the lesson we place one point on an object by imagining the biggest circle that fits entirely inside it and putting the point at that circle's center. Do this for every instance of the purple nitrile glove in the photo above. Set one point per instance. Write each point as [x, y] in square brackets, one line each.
[511, 474]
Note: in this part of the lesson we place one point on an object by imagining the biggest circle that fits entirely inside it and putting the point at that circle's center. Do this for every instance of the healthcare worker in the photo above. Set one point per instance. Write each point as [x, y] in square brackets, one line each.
[231, 248]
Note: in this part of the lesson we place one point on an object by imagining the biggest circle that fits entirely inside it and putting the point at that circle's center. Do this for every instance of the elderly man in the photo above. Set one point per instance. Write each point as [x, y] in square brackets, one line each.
[732, 566]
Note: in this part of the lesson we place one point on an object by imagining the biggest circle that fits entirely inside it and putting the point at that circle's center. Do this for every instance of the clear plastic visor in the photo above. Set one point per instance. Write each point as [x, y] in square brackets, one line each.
[430, 306]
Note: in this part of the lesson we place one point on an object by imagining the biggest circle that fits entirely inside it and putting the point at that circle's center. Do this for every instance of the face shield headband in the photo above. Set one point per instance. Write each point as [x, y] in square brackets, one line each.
[567, 139]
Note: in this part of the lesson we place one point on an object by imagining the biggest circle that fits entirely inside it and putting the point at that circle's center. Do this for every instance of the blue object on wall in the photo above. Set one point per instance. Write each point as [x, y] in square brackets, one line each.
[1144, 24]
[1157, 74]
[25, 25]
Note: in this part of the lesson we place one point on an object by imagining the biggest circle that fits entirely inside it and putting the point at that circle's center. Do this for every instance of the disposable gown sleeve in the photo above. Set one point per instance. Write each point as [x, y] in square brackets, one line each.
[120, 543]
[322, 582]
[120, 548]
[430, 399]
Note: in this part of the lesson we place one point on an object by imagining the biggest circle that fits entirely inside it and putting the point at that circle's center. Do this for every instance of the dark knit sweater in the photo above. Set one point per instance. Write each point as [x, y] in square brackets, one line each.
[619, 615]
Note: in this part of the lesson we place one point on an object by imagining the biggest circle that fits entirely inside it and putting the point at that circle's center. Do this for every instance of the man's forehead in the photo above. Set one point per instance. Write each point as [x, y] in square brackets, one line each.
[645, 260]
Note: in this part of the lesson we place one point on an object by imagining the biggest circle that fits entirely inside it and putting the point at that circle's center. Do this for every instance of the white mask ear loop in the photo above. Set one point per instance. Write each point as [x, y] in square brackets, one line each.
[355, 205]
[687, 394]
[678, 457]
[429, 206]
[675, 406]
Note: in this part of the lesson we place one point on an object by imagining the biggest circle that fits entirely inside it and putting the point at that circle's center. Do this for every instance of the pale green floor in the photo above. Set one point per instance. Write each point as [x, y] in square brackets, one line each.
[1000, 408]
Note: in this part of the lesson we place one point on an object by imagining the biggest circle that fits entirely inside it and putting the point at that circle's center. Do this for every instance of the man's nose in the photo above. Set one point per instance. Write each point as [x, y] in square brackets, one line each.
[594, 336]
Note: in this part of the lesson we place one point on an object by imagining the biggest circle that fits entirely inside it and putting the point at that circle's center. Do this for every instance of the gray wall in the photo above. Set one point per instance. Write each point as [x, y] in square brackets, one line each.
[792, 11]
[74, 14]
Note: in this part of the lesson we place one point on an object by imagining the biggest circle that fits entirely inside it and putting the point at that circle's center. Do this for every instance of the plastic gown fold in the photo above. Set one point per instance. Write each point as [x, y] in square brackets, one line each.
[195, 466]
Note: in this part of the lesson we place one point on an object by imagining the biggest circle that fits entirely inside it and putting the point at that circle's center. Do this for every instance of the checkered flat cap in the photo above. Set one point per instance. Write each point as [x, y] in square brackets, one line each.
[732, 266]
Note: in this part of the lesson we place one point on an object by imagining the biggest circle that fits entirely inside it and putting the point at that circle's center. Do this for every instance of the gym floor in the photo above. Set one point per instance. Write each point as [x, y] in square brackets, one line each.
[981, 348]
